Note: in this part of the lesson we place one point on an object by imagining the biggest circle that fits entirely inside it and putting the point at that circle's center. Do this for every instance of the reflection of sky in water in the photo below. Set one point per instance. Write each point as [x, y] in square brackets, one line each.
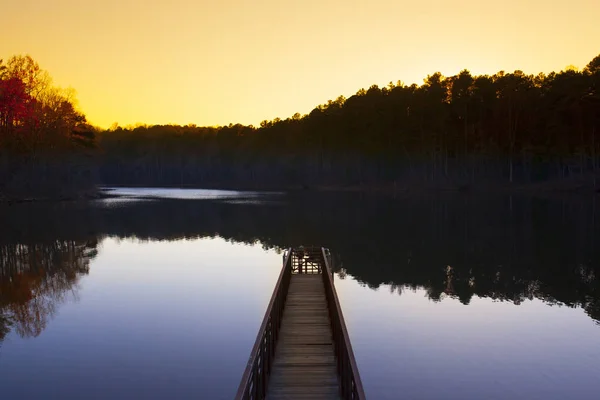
[410, 347]
[174, 193]
[153, 320]
[161, 320]
[118, 201]
[257, 201]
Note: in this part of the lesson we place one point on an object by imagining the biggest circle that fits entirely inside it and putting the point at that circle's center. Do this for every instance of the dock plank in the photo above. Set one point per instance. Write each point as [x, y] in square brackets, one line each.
[304, 366]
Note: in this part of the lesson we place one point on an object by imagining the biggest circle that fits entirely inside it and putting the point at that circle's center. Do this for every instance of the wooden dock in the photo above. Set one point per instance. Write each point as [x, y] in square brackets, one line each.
[302, 350]
[304, 366]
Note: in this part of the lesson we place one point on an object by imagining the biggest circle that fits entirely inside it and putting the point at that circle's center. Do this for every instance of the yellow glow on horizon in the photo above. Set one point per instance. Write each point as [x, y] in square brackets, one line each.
[212, 63]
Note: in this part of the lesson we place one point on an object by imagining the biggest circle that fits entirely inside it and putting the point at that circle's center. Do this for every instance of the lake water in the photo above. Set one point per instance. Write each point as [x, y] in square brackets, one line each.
[159, 294]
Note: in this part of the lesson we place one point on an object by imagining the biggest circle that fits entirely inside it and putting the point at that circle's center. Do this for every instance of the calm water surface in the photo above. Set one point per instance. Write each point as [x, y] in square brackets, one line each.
[161, 295]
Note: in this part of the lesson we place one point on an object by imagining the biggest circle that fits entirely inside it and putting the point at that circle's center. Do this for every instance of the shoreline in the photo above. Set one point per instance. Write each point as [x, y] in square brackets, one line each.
[95, 195]
[556, 187]
[543, 189]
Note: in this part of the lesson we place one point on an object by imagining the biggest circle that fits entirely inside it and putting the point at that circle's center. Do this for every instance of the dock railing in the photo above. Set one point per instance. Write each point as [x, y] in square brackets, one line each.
[256, 375]
[350, 383]
[255, 379]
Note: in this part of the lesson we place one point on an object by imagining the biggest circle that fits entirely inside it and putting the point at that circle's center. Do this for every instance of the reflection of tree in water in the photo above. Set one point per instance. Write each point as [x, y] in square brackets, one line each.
[506, 249]
[461, 247]
[35, 279]
[512, 288]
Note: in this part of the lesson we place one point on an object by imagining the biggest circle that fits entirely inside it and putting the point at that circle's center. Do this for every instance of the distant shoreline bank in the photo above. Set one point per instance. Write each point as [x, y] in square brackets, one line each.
[91, 195]
[561, 187]
[557, 186]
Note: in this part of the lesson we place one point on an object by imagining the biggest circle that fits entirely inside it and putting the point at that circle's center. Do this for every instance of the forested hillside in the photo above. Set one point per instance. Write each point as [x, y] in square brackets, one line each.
[456, 131]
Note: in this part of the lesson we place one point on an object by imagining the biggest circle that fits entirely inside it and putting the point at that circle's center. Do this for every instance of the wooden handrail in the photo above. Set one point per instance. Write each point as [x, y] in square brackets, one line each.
[350, 383]
[255, 379]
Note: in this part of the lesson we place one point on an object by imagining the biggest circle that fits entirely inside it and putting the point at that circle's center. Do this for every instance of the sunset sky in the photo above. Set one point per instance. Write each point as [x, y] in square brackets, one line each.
[216, 62]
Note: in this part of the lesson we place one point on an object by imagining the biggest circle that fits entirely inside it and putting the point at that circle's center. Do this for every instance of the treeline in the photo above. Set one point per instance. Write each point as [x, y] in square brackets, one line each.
[457, 131]
[45, 141]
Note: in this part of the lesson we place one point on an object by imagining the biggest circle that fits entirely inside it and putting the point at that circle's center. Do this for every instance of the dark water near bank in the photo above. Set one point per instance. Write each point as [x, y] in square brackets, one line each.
[159, 294]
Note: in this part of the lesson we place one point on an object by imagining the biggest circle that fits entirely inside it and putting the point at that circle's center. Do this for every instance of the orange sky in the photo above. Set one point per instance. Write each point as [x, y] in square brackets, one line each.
[221, 61]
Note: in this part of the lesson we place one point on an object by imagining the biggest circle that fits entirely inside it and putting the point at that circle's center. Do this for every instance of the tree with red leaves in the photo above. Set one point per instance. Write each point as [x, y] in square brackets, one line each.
[34, 115]
[40, 131]
[16, 106]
